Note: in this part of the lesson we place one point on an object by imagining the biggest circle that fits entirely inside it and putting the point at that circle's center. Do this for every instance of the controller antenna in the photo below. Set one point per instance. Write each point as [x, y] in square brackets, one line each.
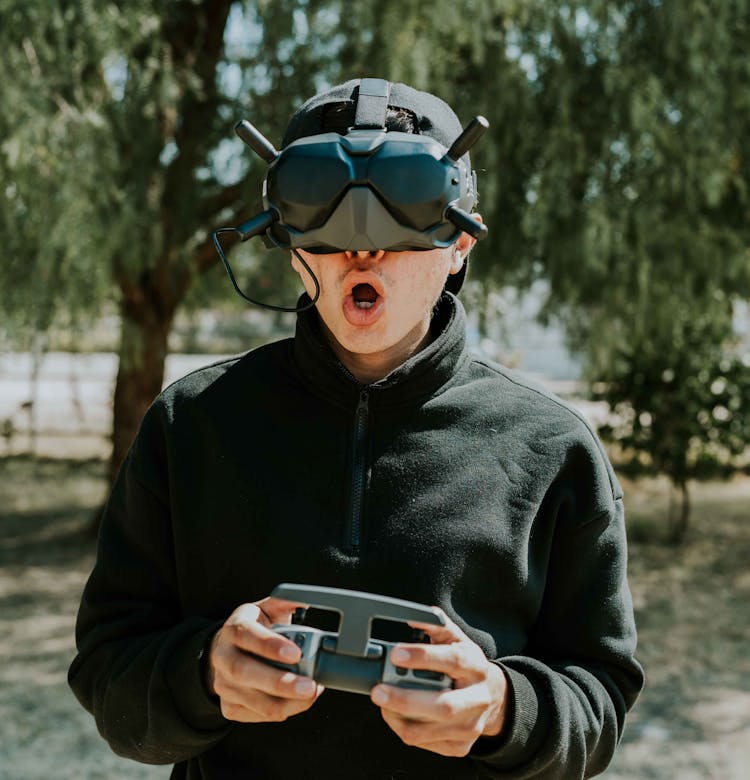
[473, 132]
[256, 140]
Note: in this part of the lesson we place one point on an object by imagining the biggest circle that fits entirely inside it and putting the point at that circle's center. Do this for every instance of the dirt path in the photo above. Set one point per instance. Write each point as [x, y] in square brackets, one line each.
[693, 616]
[693, 612]
[45, 556]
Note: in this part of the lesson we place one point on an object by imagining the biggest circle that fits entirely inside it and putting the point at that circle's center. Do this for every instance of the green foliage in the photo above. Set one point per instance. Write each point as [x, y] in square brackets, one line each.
[679, 392]
[52, 156]
[640, 222]
[118, 155]
[615, 168]
[473, 56]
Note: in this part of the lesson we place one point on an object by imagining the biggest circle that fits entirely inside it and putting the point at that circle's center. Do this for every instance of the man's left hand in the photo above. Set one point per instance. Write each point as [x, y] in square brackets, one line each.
[445, 722]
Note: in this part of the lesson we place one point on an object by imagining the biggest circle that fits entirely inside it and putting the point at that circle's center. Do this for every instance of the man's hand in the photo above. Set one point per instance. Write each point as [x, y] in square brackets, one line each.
[251, 691]
[445, 722]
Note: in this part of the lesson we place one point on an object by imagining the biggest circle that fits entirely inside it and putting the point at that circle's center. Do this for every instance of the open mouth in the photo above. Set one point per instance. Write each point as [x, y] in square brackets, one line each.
[364, 296]
[364, 301]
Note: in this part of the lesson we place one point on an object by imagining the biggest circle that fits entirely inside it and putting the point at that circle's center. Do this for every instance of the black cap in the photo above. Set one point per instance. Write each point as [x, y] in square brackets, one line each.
[433, 117]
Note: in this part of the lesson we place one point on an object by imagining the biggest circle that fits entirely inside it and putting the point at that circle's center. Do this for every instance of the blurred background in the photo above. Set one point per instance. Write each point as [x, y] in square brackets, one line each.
[615, 179]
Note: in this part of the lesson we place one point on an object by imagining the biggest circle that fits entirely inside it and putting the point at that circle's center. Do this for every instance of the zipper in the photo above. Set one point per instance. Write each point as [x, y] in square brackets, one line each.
[359, 471]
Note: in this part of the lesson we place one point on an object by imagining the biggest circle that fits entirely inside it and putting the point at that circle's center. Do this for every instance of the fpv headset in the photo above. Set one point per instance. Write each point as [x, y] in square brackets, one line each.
[369, 189]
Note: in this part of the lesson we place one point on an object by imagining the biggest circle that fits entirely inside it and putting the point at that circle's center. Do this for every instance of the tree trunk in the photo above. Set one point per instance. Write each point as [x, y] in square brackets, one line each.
[680, 515]
[38, 353]
[143, 350]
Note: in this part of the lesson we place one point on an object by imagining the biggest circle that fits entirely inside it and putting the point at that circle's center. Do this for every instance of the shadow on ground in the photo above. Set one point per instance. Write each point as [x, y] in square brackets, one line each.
[693, 615]
[46, 552]
[692, 609]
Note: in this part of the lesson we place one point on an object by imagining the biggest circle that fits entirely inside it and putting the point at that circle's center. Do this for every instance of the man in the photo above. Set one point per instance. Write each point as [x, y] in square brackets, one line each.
[370, 452]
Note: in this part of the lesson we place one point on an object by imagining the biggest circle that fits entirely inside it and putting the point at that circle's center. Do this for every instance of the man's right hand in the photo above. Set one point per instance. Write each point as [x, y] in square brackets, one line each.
[251, 691]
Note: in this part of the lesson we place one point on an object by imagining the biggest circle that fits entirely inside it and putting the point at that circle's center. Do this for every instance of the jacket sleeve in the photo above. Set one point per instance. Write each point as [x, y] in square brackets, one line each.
[138, 668]
[570, 690]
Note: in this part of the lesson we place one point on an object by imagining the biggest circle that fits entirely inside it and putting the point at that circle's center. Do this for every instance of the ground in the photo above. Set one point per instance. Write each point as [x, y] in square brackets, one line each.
[692, 609]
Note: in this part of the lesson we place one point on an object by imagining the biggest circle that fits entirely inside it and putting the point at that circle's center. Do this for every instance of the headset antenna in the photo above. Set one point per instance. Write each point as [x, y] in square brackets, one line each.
[473, 132]
[256, 140]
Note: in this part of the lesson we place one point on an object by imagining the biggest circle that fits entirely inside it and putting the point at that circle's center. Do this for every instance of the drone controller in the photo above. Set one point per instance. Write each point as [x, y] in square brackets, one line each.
[351, 660]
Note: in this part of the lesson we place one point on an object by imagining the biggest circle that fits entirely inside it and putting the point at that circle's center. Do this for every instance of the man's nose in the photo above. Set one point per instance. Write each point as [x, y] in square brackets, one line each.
[362, 254]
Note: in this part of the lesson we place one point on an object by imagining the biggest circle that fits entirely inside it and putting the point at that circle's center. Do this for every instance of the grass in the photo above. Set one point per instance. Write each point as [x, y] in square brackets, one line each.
[692, 609]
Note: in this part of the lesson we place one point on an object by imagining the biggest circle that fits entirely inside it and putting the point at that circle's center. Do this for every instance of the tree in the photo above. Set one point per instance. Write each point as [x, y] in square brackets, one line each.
[678, 388]
[121, 115]
[130, 112]
[614, 166]
[472, 55]
[646, 250]
[52, 160]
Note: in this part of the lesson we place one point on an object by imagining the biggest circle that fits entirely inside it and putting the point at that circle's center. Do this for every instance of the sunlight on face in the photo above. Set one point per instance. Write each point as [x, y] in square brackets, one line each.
[376, 306]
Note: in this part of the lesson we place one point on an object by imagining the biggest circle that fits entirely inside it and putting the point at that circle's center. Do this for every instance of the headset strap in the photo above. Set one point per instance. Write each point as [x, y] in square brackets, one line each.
[372, 103]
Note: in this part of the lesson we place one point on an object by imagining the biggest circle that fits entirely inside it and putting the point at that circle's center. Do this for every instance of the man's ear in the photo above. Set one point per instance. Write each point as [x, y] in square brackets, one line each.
[465, 241]
[462, 247]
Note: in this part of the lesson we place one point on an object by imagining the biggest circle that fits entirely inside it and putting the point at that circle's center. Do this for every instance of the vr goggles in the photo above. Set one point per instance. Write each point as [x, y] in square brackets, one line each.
[369, 189]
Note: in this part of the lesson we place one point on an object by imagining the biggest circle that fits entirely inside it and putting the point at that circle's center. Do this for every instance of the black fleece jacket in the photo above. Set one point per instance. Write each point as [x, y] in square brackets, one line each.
[451, 482]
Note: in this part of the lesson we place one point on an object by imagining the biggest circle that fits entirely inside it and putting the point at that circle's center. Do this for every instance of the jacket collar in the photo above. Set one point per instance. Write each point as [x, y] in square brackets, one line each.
[420, 377]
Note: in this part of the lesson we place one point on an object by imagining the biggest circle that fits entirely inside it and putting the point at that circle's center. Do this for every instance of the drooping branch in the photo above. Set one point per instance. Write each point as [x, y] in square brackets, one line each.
[205, 254]
[228, 197]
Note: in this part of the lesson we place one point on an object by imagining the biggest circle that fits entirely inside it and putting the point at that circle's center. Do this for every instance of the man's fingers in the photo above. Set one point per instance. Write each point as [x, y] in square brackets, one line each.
[255, 706]
[432, 735]
[267, 612]
[242, 673]
[278, 610]
[459, 660]
[430, 706]
[441, 635]
[414, 704]
[449, 748]
[445, 722]
[245, 614]
[253, 637]
[250, 689]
